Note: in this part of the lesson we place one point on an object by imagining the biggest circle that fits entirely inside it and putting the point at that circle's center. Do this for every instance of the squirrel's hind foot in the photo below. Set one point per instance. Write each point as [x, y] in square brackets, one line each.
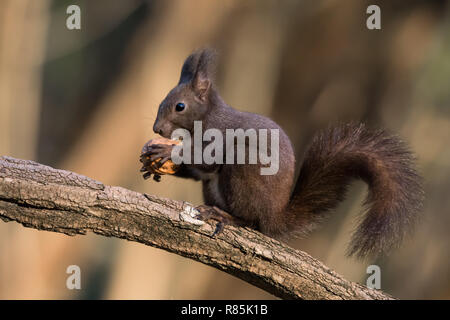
[208, 213]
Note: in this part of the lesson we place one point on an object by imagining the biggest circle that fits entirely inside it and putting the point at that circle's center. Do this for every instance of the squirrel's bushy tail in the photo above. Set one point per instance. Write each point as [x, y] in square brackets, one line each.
[334, 158]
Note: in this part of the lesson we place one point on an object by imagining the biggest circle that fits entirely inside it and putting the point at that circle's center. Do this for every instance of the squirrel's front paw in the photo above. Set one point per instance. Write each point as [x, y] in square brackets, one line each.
[155, 159]
[158, 151]
[149, 168]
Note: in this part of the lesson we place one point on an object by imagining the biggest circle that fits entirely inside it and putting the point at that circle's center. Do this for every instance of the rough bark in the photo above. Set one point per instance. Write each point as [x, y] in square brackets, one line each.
[44, 198]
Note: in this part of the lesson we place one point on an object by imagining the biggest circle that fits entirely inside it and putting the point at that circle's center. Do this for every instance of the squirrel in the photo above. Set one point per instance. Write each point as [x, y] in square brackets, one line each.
[272, 204]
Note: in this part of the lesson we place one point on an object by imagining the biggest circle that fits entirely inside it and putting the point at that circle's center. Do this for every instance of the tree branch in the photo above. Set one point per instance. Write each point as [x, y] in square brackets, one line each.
[44, 198]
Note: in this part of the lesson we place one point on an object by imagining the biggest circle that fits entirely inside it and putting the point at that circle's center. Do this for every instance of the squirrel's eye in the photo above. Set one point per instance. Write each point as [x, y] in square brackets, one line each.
[180, 107]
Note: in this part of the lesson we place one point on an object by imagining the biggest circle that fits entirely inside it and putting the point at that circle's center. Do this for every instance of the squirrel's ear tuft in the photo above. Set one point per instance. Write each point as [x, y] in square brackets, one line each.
[199, 69]
[204, 74]
[203, 60]
[189, 67]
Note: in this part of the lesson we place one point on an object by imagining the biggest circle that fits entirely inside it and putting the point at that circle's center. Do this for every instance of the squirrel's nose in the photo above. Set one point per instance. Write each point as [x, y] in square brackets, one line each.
[157, 129]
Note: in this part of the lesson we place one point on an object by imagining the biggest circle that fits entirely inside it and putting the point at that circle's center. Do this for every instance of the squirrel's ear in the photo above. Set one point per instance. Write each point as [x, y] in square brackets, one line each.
[203, 77]
[189, 67]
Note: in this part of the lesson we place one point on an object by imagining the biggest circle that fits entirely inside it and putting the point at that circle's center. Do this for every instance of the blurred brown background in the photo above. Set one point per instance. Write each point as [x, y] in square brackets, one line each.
[85, 100]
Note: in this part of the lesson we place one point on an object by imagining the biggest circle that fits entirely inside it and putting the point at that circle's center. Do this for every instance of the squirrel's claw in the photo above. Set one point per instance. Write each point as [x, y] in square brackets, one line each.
[207, 213]
[147, 175]
[219, 229]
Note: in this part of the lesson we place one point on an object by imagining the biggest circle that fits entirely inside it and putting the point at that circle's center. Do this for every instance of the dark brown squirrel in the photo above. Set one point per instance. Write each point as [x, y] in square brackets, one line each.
[272, 204]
